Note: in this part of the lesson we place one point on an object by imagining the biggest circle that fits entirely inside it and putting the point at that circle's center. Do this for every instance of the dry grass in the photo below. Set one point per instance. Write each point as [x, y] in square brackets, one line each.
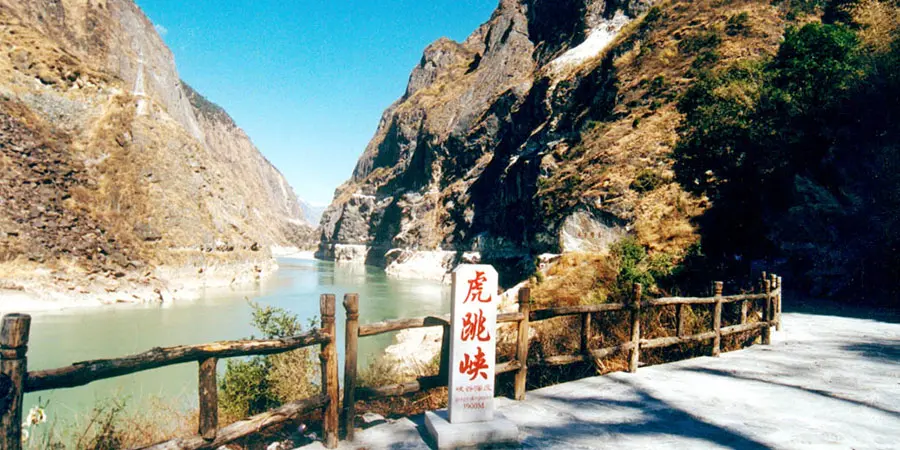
[291, 374]
[879, 22]
[576, 279]
[112, 425]
[384, 371]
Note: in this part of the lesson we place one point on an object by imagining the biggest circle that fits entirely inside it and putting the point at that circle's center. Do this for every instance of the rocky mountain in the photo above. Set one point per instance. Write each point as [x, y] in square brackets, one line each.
[312, 214]
[117, 171]
[549, 129]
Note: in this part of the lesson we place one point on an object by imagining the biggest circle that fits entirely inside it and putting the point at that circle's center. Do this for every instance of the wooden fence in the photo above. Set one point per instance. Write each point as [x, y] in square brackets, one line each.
[770, 295]
[15, 380]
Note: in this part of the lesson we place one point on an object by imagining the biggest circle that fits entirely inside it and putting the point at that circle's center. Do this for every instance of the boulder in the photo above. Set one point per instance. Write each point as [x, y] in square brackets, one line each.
[586, 230]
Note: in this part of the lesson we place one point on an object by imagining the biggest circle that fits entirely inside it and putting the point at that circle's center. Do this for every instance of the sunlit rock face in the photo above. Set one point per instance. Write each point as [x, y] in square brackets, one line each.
[114, 165]
[457, 163]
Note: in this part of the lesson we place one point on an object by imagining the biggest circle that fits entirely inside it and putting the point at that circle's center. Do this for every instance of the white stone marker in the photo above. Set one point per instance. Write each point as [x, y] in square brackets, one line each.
[474, 346]
[470, 420]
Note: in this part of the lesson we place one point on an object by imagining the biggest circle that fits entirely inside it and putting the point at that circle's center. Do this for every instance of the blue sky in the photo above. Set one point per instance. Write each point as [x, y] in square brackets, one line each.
[307, 79]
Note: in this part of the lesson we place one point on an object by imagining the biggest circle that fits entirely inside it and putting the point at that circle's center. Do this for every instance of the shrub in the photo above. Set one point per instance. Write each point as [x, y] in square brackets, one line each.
[245, 388]
[646, 181]
[738, 24]
[260, 383]
[798, 155]
[702, 40]
[631, 259]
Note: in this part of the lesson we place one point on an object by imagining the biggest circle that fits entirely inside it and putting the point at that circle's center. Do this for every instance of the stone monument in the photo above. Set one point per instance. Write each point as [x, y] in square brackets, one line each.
[470, 418]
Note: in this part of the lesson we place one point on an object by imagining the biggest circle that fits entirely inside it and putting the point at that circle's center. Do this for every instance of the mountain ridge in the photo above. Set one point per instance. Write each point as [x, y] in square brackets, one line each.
[175, 193]
[549, 130]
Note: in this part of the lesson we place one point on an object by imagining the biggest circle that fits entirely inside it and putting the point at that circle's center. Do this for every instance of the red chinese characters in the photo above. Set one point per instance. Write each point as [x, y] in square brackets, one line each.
[473, 327]
[476, 286]
[473, 367]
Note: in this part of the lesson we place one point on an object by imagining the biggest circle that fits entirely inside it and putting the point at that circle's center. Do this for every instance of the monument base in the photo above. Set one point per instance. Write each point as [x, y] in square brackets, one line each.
[471, 434]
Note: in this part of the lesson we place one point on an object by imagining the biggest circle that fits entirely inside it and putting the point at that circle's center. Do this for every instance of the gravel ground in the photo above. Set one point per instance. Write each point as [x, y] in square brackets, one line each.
[825, 382]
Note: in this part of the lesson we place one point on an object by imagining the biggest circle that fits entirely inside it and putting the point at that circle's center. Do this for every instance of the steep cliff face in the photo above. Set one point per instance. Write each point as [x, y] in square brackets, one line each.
[113, 166]
[549, 129]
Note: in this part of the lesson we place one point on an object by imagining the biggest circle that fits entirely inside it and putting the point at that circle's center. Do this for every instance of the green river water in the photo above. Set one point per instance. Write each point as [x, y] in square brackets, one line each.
[63, 337]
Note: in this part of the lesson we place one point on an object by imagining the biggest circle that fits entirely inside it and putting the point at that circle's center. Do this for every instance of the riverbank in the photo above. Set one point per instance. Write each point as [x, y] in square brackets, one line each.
[58, 339]
[34, 288]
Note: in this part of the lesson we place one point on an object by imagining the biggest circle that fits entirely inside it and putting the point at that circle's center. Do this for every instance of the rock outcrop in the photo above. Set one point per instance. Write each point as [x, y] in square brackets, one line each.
[548, 129]
[114, 167]
[457, 163]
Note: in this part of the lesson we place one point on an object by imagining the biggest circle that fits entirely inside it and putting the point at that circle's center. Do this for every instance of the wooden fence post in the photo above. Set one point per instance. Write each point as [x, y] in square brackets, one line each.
[13, 370]
[351, 341]
[586, 334]
[745, 307]
[209, 399]
[778, 307]
[767, 312]
[717, 319]
[330, 387]
[635, 329]
[773, 283]
[679, 319]
[522, 343]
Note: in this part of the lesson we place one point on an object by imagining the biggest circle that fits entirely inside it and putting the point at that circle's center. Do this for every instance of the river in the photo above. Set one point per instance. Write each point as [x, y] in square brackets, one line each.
[63, 337]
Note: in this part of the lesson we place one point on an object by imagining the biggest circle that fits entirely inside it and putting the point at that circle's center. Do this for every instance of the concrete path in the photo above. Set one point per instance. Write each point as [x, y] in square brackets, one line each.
[825, 382]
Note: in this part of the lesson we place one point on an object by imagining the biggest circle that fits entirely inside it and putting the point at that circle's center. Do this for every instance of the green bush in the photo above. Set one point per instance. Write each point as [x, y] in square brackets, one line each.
[257, 384]
[632, 261]
[798, 156]
[245, 388]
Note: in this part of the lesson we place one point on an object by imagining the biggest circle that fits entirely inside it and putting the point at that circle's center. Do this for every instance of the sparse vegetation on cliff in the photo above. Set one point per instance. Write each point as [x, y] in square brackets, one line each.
[797, 153]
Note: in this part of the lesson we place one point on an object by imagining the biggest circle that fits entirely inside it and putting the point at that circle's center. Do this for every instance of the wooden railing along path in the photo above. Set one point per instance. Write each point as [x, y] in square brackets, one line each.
[15, 380]
[771, 316]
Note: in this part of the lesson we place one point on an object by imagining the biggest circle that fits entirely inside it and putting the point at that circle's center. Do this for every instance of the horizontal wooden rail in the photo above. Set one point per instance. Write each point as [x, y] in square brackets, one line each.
[703, 300]
[81, 373]
[741, 328]
[559, 311]
[547, 313]
[508, 366]
[562, 360]
[510, 317]
[372, 329]
[246, 427]
[675, 340]
[606, 351]
[417, 385]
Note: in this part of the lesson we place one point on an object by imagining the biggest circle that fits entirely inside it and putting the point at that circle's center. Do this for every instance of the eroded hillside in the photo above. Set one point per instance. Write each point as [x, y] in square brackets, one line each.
[117, 176]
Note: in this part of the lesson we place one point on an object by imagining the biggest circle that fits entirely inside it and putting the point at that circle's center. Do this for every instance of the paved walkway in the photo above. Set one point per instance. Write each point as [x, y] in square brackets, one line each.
[825, 382]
